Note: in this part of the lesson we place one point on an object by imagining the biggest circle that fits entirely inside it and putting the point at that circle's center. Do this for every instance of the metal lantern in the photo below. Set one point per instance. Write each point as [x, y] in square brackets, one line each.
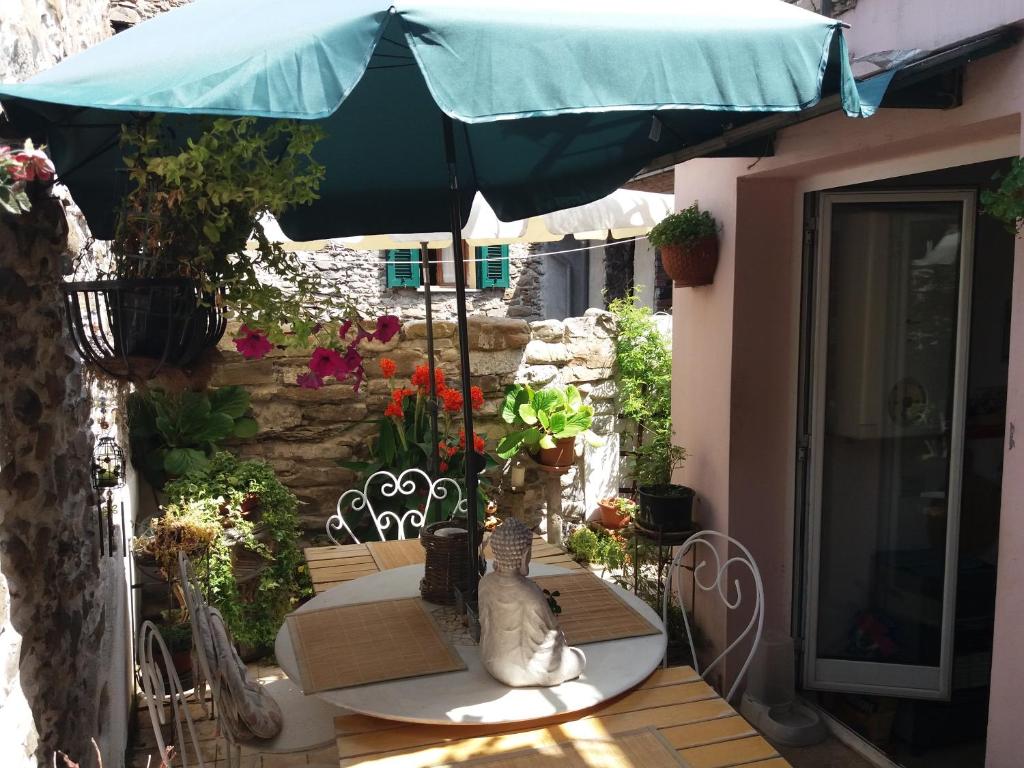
[107, 464]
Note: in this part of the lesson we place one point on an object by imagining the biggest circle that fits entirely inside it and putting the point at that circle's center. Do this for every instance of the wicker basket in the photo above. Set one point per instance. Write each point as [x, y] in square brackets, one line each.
[447, 562]
[691, 264]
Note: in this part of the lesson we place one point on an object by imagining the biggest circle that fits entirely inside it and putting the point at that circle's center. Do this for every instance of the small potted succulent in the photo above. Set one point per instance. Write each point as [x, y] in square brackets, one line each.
[546, 423]
[688, 241]
[616, 512]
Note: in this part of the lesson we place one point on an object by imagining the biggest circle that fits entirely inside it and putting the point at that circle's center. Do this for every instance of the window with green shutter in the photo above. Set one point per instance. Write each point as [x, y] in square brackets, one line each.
[404, 268]
[492, 266]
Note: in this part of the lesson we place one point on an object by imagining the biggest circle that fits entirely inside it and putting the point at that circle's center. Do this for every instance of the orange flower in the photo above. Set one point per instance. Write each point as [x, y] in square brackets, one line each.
[452, 400]
[394, 410]
[438, 379]
[421, 376]
[478, 443]
[398, 395]
[476, 397]
[388, 367]
[442, 449]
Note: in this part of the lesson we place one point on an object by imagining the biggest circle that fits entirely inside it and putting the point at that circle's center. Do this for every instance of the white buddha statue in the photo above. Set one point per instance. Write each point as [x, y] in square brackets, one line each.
[520, 641]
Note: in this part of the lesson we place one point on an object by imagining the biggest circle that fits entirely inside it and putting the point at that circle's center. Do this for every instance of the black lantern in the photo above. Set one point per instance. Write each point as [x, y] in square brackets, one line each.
[107, 464]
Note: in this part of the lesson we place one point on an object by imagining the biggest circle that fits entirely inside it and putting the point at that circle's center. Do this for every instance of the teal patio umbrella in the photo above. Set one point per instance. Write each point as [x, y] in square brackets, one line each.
[537, 105]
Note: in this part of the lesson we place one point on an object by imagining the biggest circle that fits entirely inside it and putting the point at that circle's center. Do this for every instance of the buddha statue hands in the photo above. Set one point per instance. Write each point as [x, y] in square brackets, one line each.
[520, 641]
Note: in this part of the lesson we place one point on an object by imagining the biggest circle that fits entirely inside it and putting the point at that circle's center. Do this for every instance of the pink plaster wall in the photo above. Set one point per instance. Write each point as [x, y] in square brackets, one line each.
[734, 378]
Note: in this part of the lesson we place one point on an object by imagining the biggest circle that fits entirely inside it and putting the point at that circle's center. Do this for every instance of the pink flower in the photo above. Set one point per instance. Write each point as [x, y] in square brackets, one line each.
[309, 380]
[325, 362]
[35, 163]
[350, 363]
[344, 328]
[387, 327]
[252, 344]
[358, 379]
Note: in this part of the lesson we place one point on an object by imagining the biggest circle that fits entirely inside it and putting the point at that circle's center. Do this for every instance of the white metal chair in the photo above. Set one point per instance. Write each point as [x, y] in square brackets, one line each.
[403, 486]
[165, 696]
[697, 543]
[308, 722]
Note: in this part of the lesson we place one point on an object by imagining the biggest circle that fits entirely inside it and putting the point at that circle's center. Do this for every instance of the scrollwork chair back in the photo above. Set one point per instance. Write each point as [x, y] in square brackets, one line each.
[162, 688]
[394, 490]
[702, 544]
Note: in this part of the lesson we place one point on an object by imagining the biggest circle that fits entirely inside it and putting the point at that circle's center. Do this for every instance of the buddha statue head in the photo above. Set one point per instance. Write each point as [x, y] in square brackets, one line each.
[511, 544]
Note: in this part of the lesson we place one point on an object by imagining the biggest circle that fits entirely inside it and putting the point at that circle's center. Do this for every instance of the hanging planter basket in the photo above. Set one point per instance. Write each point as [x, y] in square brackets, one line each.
[691, 264]
[132, 328]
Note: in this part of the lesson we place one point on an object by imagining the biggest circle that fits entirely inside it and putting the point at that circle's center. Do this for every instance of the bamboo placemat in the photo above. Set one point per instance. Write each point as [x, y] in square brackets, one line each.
[367, 643]
[645, 748]
[591, 611]
[395, 554]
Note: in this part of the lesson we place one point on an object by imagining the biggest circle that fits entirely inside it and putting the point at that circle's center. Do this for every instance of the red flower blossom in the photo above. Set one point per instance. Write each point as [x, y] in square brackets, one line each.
[309, 380]
[443, 466]
[452, 400]
[438, 379]
[476, 397]
[421, 376]
[394, 410]
[387, 327]
[34, 164]
[478, 444]
[252, 344]
[388, 367]
[398, 395]
[325, 362]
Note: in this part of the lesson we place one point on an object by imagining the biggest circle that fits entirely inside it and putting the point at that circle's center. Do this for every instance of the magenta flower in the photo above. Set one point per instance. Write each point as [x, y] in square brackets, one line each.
[352, 361]
[344, 328]
[387, 327]
[358, 378]
[325, 362]
[309, 380]
[252, 344]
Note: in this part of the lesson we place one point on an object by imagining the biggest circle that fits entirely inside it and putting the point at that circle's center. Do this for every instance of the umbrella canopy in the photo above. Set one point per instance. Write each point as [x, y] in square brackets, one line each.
[624, 213]
[554, 105]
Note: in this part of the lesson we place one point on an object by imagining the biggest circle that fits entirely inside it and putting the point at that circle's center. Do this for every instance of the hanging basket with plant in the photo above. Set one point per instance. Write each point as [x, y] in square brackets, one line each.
[190, 252]
[688, 243]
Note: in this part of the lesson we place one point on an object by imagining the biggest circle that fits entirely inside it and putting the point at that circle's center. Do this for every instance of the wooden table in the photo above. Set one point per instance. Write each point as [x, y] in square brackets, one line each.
[704, 730]
[333, 565]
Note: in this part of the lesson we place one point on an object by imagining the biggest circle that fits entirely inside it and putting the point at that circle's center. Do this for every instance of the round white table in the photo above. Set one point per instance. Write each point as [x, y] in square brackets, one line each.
[471, 696]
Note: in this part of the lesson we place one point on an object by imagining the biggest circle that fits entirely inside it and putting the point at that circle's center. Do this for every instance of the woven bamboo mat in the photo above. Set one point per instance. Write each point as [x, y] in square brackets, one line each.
[395, 554]
[591, 611]
[367, 643]
[644, 748]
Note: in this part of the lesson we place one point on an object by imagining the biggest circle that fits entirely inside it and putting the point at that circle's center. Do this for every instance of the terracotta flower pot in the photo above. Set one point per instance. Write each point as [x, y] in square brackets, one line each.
[691, 264]
[610, 517]
[562, 455]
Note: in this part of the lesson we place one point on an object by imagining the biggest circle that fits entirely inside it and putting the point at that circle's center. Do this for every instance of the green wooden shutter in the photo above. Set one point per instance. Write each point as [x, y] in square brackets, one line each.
[492, 266]
[404, 268]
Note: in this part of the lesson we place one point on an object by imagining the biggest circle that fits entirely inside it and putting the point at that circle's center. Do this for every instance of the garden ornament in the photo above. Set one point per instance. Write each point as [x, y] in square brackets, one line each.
[520, 641]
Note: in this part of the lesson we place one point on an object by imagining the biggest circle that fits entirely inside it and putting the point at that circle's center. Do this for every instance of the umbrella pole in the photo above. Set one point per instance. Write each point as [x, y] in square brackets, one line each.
[463, 333]
[432, 462]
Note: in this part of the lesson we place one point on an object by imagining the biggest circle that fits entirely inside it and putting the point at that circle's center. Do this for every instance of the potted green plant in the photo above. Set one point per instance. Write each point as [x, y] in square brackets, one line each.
[177, 634]
[548, 422]
[664, 506]
[688, 242]
[616, 512]
[189, 248]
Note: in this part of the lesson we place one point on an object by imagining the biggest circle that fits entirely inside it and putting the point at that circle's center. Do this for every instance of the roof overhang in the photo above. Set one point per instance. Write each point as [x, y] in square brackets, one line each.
[929, 80]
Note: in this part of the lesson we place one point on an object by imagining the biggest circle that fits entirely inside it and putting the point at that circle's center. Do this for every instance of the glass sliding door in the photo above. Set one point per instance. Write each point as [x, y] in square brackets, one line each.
[889, 362]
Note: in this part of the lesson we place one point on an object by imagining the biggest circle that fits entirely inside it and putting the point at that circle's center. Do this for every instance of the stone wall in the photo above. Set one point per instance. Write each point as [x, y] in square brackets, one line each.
[305, 433]
[361, 276]
[61, 656]
[36, 34]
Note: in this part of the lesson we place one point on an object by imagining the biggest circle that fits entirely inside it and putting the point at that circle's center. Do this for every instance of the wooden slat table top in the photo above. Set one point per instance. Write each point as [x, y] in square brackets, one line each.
[333, 565]
[696, 721]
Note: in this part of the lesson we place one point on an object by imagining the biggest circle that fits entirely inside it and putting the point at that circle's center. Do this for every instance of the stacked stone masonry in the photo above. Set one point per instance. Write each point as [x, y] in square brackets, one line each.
[305, 434]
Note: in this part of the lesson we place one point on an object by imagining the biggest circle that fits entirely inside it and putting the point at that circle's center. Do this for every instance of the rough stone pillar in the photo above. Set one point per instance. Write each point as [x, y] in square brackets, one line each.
[52, 613]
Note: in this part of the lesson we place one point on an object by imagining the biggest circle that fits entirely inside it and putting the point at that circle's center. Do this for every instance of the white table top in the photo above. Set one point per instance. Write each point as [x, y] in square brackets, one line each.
[471, 696]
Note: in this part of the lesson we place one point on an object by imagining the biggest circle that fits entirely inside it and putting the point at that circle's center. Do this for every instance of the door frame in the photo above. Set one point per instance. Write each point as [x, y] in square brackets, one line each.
[873, 677]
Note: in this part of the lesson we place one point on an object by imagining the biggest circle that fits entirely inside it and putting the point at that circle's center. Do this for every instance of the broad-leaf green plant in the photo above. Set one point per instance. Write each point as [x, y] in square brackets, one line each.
[1006, 202]
[542, 417]
[173, 434]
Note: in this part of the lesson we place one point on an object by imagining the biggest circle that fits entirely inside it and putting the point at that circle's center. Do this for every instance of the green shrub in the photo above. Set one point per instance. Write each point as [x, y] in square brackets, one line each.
[687, 226]
[258, 519]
